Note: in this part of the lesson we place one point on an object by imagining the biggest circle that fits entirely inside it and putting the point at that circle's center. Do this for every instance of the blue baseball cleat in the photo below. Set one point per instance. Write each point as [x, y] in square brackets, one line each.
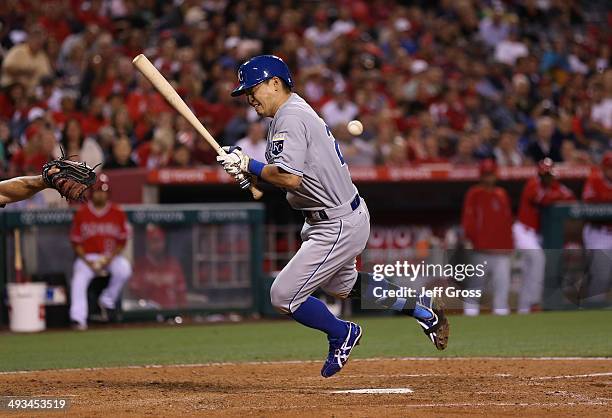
[340, 350]
[436, 326]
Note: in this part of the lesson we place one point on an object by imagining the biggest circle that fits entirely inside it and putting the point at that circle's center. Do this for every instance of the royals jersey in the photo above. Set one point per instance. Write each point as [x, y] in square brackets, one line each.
[300, 143]
[99, 231]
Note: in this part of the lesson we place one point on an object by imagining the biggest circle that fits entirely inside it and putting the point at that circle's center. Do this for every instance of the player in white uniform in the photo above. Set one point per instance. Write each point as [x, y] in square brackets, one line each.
[304, 159]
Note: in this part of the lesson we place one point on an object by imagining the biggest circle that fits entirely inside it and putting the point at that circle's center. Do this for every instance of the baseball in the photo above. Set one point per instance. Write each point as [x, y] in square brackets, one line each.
[355, 127]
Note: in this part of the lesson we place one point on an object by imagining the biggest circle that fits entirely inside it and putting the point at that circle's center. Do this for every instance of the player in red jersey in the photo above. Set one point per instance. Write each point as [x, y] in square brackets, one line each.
[158, 276]
[597, 236]
[598, 186]
[99, 232]
[487, 223]
[540, 191]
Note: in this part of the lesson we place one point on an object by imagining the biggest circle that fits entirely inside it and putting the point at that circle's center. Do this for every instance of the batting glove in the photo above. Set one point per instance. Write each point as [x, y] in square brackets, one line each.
[230, 163]
[243, 181]
[244, 158]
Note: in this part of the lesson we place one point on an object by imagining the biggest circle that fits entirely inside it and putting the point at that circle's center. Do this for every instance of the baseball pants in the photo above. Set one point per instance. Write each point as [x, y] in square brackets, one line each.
[326, 260]
[598, 242]
[496, 280]
[120, 271]
[533, 260]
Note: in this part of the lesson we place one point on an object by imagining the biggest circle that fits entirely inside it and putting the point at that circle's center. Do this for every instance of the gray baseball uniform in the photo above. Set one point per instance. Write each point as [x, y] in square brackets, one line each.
[337, 223]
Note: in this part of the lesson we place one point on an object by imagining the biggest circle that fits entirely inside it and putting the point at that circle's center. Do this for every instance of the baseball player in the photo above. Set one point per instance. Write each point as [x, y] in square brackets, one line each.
[304, 159]
[158, 276]
[487, 222]
[540, 191]
[99, 232]
[597, 236]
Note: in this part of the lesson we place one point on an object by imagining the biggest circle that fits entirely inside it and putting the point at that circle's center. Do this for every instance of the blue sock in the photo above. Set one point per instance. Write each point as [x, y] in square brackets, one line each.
[399, 304]
[314, 314]
[421, 313]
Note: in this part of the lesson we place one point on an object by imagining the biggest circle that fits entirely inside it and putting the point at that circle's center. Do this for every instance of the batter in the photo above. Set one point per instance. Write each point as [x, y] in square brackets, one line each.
[304, 159]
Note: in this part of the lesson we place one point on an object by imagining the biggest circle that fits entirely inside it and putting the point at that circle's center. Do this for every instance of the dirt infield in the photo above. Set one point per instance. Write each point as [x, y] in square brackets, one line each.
[440, 387]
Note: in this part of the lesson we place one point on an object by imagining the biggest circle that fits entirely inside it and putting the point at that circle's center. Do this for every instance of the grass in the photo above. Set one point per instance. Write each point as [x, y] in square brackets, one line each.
[577, 333]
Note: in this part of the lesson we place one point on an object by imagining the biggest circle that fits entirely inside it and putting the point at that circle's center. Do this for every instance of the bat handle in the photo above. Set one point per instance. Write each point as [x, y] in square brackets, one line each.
[257, 194]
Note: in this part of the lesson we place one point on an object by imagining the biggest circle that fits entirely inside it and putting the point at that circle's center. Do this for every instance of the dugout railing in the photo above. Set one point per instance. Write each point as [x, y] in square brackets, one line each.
[217, 248]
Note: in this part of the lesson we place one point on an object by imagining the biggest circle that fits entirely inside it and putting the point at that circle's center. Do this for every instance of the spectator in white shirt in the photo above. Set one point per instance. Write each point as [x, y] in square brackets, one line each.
[339, 110]
[254, 144]
[506, 151]
[509, 50]
[320, 34]
[601, 112]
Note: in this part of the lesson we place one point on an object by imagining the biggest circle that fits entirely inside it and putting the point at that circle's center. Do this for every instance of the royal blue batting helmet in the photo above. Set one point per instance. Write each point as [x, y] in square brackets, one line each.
[259, 69]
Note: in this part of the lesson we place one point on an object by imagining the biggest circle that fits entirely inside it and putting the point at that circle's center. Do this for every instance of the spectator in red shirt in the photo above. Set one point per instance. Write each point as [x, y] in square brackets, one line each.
[98, 234]
[540, 191]
[54, 19]
[94, 119]
[31, 158]
[487, 223]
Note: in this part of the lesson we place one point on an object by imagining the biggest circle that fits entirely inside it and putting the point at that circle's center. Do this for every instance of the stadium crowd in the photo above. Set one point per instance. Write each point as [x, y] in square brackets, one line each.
[448, 81]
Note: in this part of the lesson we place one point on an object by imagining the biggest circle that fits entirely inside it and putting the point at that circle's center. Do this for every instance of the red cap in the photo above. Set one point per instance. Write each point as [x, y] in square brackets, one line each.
[487, 166]
[102, 183]
[606, 161]
[155, 232]
[546, 167]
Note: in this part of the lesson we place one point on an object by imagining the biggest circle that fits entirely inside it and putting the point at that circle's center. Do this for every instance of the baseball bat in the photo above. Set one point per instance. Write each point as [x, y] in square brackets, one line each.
[18, 260]
[162, 85]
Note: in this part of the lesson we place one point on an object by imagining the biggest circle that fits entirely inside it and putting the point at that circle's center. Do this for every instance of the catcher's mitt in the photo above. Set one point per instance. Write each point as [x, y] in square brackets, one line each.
[73, 178]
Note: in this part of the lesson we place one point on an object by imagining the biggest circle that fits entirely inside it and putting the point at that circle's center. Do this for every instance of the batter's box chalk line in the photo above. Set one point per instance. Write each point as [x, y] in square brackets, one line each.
[375, 391]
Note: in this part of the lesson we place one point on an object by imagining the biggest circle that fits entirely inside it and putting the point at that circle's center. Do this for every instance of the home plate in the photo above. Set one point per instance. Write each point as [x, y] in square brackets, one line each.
[376, 391]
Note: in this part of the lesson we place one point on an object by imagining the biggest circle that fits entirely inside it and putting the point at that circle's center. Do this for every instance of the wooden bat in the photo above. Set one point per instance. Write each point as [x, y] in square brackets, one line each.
[162, 85]
[18, 260]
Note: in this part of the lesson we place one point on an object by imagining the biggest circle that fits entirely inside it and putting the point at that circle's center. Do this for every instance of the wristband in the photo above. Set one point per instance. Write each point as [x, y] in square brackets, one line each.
[255, 167]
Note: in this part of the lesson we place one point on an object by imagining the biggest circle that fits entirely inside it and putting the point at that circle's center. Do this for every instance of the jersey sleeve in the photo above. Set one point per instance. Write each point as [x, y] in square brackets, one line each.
[557, 193]
[289, 145]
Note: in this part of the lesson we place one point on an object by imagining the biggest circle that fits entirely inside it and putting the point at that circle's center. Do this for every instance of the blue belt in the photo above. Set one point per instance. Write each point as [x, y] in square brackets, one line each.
[322, 215]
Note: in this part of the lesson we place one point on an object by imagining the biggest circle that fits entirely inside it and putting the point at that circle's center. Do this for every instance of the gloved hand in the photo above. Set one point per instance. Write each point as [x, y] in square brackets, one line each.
[234, 161]
[70, 178]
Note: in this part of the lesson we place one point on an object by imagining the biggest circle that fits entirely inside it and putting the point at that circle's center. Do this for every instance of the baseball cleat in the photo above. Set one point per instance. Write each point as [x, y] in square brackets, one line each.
[437, 327]
[340, 350]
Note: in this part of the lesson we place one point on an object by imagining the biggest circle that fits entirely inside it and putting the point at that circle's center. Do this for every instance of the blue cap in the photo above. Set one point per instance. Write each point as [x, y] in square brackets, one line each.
[259, 69]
